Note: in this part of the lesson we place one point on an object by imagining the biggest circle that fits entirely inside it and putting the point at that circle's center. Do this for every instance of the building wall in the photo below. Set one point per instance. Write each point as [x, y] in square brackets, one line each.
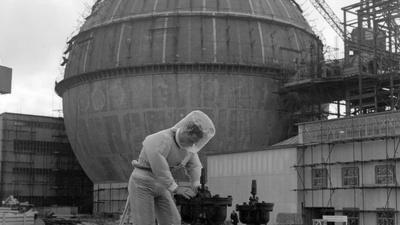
[367, 196]
[1, 147]
[231, 174]
[38, 165]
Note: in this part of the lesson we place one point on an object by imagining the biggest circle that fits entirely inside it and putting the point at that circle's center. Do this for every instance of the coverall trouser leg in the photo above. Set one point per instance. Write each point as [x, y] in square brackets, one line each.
[149, 200]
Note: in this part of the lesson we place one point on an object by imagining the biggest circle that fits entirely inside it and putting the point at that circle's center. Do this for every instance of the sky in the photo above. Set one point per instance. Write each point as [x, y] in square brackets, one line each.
[33, 36]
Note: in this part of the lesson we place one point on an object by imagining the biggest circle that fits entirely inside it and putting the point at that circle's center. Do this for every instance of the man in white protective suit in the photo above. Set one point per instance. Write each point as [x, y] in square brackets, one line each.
[151, 185]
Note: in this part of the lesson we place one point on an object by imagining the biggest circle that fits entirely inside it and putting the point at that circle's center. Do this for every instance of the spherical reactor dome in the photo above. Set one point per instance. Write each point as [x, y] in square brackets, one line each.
[139, 66]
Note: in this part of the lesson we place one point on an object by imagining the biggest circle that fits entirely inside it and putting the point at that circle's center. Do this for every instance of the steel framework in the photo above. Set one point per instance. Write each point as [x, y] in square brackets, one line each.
[367, 79]
[372, 54]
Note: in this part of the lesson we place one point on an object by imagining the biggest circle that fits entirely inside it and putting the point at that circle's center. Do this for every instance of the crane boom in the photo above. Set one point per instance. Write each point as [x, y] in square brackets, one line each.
[325, 10]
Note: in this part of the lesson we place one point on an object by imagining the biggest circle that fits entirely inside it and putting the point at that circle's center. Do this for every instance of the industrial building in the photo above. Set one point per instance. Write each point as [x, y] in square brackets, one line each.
[349, 167]
[38, 165]
[271, 167]
[344, 166]
[258, 70]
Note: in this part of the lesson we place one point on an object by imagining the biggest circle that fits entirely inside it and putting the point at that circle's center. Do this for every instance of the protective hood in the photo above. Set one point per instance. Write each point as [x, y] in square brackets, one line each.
[203, 122]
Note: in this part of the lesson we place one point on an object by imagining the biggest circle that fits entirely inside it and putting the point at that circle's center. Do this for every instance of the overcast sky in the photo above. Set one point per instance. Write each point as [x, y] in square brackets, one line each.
[33, 34]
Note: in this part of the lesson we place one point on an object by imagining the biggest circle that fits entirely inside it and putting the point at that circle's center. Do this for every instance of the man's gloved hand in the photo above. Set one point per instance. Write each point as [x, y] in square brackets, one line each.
[185, 192]
[196, 189]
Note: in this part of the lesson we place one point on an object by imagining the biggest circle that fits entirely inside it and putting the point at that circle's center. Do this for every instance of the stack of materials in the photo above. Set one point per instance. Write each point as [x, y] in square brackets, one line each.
[9, 216]
[61, 221]
[14, 213]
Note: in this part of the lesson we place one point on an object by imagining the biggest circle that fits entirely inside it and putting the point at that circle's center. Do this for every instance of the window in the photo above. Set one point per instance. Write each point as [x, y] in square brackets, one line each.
[319, 178]
[384, 174]
[42, 147]
[350, 176]
[353, 216]
[385, 217]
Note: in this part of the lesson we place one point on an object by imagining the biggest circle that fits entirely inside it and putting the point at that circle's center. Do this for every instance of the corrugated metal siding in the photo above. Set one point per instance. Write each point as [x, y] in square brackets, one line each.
[231, 174]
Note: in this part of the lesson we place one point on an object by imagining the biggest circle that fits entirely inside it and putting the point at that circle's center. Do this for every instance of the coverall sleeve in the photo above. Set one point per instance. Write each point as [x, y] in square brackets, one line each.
[156, 150]
[193, 168]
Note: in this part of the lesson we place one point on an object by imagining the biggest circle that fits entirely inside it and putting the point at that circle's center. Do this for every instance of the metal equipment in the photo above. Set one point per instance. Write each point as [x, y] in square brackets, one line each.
[203, 209]
[254, 212]
[367, 80]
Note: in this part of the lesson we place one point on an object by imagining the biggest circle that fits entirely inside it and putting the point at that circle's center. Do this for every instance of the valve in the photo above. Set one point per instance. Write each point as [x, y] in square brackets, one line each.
[254, 213]
[203, 209]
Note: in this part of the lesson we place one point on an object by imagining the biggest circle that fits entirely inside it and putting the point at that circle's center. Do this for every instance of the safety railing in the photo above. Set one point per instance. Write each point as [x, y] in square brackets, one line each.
[369, 126]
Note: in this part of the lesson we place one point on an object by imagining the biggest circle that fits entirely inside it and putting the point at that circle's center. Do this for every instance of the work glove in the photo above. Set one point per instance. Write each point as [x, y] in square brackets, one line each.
[196, 189]
[185, 192]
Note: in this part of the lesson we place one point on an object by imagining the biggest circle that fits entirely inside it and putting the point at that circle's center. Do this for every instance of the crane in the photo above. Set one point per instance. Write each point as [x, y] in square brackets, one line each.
[325, 10]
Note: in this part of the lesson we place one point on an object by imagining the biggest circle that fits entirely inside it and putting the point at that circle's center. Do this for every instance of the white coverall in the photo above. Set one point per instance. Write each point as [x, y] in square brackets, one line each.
[151, 182]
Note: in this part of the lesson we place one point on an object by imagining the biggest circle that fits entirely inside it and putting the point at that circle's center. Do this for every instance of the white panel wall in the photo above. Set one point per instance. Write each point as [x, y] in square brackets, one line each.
[231, 174]
[371, 198]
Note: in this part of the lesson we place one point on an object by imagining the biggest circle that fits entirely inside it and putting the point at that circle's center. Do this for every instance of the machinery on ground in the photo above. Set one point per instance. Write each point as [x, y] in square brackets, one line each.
[203, 209]
[254, 212]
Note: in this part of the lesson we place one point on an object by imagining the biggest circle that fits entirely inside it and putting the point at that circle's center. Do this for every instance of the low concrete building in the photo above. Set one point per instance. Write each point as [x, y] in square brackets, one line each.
[231, 174]
[348, 167]
[37, 163]
[336, 167]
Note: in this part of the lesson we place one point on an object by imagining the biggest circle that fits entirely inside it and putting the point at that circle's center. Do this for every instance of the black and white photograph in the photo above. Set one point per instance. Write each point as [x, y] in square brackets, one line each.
[199, 112]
